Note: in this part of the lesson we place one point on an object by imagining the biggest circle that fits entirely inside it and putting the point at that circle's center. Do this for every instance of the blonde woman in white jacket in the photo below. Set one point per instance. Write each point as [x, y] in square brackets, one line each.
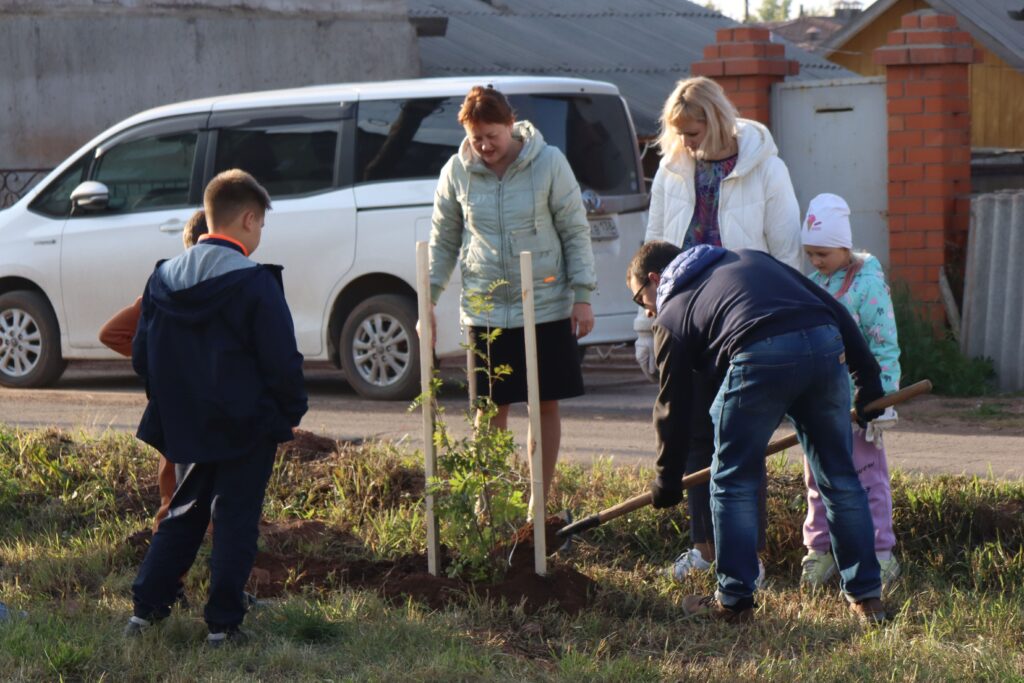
[720, 182]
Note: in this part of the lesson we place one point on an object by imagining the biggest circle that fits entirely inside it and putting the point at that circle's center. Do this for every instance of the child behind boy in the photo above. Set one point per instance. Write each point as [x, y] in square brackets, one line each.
[855, 280]
[118, 333]
[216, 347]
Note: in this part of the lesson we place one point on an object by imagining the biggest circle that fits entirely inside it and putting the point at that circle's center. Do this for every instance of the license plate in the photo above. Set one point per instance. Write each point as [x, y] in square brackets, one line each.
[603, 229]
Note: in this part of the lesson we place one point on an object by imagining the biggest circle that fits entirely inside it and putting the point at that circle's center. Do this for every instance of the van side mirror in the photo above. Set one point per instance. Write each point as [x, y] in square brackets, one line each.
[90, 196]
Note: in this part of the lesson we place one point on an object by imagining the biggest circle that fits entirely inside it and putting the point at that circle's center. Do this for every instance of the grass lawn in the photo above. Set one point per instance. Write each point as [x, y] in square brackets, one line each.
[69, 502]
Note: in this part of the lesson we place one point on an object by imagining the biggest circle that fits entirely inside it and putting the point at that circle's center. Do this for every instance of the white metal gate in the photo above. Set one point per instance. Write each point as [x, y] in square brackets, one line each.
[833, 137]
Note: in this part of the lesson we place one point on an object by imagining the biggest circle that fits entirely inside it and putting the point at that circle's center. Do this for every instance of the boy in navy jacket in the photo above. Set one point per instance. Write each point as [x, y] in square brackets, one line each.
[216, 348]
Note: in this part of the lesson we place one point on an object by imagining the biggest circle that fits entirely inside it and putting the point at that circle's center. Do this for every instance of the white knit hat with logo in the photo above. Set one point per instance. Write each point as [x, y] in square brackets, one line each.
[827, 223]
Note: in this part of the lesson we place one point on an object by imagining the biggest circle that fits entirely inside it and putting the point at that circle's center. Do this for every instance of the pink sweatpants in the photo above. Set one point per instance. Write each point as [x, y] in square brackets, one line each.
[873, 472]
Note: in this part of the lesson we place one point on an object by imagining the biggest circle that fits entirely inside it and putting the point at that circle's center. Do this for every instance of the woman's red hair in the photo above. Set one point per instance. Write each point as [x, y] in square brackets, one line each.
[485, 105]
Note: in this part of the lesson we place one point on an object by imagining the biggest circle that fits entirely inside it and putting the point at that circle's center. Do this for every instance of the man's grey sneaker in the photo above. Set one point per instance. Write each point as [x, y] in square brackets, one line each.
[816, 569]
[687, 563]
[135, 626]
[871, 611]
[232, 638]
[890, 570]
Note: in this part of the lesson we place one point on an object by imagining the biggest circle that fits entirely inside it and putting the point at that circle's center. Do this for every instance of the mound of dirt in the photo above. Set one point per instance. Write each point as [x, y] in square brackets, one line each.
[278, 572]
[306, 446]
[302, 553]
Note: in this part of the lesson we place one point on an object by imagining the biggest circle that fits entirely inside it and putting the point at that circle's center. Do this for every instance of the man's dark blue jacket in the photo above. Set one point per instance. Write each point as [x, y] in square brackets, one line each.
[216, 347]
[712, 303]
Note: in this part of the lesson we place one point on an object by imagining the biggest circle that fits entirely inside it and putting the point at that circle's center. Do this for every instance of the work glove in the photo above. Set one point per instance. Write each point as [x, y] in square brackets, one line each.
[644, 348]
[873, 432]
[665, 496]
[864, 396]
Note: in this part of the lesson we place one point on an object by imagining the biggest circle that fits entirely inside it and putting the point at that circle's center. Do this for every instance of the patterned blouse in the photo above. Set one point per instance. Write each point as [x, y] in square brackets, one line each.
[707, 181]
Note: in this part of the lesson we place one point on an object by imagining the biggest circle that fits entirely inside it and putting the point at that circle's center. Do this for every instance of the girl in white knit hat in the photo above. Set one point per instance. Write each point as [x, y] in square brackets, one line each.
[857, 281]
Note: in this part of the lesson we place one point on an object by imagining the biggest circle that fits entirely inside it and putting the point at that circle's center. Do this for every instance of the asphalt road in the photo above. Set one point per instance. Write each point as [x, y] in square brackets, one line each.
[611, 420]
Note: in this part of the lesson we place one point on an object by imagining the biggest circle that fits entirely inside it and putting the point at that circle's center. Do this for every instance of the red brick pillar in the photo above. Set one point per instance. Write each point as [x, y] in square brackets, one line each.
[926, 64]
[746, 64]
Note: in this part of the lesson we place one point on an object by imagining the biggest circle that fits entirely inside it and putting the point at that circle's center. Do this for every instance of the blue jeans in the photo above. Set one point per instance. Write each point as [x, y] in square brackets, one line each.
[801, 375]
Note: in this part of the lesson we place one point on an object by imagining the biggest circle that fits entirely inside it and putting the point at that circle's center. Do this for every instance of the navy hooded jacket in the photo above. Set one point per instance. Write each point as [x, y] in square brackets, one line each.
[216, 347]
[711, 303]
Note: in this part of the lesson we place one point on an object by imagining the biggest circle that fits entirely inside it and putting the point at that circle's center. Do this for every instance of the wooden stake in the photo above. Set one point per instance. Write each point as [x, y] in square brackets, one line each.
[426, 376]
[471, 376]
[540, 561]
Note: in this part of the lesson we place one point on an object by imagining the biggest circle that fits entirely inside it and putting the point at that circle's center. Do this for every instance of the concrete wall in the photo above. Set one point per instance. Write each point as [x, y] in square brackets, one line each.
[71, 68]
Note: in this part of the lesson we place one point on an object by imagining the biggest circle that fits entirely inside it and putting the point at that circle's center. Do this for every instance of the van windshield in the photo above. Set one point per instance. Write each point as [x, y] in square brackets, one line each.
[402, 139]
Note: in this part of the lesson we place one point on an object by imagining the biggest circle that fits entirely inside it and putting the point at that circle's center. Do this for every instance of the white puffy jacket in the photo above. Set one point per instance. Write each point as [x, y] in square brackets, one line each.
[757, 208]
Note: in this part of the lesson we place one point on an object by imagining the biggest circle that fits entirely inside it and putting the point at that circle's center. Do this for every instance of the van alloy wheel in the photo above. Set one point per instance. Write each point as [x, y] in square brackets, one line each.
[29, 341]
[21, 344]
[380, 349]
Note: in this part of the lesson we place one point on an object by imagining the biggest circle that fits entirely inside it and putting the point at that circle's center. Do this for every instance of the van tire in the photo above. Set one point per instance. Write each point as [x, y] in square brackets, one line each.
[380, 350]
[29, 341]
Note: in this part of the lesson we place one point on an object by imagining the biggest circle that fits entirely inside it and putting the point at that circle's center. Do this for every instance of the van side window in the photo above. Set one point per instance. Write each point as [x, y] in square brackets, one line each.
[55, 200]
[148, 173]
[399, 139]
[288, 159]
[593, 133]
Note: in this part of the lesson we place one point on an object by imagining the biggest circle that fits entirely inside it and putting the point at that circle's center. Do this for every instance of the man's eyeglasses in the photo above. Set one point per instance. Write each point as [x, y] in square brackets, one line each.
[638, 296]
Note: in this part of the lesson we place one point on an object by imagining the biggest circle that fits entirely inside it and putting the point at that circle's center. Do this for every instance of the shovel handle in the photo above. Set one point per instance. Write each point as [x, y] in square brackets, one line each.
[704, 475]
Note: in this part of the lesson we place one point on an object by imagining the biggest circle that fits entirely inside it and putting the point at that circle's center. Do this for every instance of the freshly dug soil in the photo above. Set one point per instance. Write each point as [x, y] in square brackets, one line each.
[306, 446]
[302, 554]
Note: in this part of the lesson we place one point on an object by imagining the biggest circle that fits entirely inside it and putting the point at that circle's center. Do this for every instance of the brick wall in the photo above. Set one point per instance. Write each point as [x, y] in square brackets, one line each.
[746, 64]
[929, 129]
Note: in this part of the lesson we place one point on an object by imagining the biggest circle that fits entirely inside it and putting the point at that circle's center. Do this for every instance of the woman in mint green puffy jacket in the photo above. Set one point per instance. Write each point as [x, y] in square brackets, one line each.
[506, 191]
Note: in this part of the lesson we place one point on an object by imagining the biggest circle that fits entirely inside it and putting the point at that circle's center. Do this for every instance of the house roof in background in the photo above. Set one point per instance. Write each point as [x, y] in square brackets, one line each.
[987, 20]
[642, 46]
[799, 30]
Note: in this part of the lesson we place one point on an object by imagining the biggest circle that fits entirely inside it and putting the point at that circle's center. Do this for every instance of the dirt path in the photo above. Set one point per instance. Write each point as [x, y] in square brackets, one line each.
[983, 436]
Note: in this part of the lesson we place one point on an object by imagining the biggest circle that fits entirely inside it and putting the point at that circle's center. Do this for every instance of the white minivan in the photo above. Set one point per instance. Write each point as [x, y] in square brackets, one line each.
[351, 169]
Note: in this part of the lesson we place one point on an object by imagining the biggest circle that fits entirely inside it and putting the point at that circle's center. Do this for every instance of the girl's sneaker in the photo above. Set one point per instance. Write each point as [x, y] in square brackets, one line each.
[890, 570]
[817, 568]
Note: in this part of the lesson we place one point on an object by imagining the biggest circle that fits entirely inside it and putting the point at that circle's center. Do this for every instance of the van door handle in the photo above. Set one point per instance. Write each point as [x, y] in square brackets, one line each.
[174, 225]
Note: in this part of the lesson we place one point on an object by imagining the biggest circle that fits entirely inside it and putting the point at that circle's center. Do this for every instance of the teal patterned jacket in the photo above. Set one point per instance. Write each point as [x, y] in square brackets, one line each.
[869, 302]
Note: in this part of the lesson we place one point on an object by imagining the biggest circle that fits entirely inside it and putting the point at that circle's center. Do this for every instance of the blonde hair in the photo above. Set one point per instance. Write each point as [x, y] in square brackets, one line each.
[698, 99]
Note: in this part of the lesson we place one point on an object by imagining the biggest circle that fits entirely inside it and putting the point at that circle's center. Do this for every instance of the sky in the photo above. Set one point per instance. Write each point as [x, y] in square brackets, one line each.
[734, 8]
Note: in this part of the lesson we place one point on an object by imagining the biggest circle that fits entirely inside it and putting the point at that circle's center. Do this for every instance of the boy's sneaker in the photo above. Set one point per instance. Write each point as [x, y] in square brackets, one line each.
[870, 611]
[817, 568]
[709, 606]
[890, 570]
[687, 563]
[232, 637]
[692, 560]
[135, 626]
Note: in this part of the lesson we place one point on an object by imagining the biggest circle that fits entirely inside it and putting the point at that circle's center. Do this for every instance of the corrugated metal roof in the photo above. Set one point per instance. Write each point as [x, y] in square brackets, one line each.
[987, 20]
[642, 46]
[990, 23]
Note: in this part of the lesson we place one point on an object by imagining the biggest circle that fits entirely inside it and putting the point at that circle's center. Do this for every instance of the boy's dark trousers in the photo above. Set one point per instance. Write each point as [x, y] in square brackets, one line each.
[233, 491]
